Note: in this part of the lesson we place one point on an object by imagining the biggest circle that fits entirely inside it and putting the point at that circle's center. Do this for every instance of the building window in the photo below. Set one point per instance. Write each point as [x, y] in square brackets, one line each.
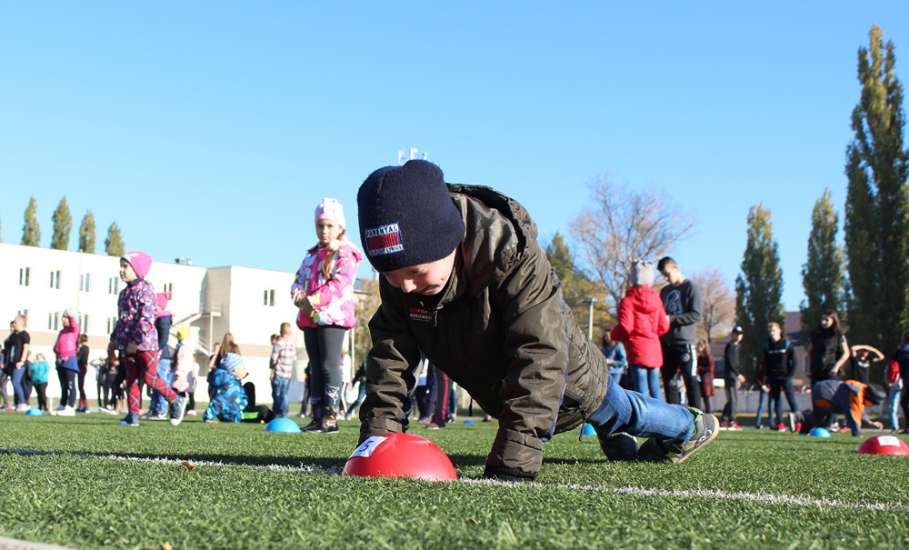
[53, 321]
[268, 298]
[169, 290]
[113, 285]
[25, 275]
[111, 324]
[85, 282]
[24, 313]
[83, 323]
[55, 279]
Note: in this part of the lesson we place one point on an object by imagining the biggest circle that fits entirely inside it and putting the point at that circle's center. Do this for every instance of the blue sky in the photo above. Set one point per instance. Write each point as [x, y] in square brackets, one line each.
[210, 130]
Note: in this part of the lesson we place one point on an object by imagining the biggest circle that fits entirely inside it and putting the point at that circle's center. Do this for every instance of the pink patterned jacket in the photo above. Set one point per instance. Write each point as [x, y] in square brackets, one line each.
[332, 300]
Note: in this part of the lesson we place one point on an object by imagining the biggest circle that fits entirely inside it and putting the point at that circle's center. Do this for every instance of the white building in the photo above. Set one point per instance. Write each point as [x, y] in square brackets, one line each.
[250, 303]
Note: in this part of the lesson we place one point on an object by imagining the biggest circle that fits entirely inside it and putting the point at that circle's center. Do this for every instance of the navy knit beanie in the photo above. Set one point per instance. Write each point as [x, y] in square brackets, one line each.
[407, 217]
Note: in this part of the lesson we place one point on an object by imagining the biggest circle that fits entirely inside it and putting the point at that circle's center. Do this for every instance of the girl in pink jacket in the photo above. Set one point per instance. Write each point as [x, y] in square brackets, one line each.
[323, 290]
[67, 364]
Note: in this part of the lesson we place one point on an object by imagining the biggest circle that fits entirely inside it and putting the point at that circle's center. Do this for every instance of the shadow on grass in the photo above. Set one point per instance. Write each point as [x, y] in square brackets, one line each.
[328, 464]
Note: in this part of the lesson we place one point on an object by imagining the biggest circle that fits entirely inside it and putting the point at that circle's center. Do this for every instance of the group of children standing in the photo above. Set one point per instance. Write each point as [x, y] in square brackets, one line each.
[29, 371]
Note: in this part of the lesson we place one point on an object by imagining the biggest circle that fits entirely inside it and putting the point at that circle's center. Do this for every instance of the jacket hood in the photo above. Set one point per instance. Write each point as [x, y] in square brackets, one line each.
[644, 299]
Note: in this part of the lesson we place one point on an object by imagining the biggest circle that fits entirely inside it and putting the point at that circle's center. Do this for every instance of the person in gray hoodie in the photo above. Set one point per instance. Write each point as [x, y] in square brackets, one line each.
[682, 302]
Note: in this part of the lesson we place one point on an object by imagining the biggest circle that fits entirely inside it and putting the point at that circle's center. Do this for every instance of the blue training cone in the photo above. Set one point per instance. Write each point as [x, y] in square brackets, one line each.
[469, 421]
[819, 432]
[282, 425]
[588, 429]
[34, 412]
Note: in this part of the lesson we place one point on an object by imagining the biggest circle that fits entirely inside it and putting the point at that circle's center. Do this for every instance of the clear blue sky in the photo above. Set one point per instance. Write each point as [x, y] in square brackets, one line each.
[211, 129]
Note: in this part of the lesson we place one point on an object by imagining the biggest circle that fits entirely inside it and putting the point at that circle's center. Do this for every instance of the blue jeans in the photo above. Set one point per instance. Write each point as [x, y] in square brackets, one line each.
[279, 387]
[771, 417]
[636, 414]
[646, 381]
[19, 386]
[615, 374]
[893, 406]
[158, 404]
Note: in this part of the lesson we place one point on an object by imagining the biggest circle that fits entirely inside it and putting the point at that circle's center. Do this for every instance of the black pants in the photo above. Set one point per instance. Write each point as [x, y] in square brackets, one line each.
[41, 390]
[778, 386]
[438, 395]
[680, 358]
[440, 411]
[67, 386]
[323, 345]
[904, 401]
[732, 397]
[4, 378]
[422, 398]
[706, 399]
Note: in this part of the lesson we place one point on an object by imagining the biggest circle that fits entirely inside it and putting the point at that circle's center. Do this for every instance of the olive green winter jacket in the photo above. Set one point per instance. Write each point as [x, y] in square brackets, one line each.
[500, 329]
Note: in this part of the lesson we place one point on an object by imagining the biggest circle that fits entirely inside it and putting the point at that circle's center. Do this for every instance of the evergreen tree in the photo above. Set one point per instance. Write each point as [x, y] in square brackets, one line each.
[759, 287]
[877, 209]
[31, 230]
[822, 274]
[113, 244]
[63, 224]
[87, 233]
[577, 288]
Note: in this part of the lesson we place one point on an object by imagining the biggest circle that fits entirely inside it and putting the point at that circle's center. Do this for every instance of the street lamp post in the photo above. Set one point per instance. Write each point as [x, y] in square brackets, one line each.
[590, 301]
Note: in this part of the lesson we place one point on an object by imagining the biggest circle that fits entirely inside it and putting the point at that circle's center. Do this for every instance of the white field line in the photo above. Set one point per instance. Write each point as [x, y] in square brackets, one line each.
[708, 494]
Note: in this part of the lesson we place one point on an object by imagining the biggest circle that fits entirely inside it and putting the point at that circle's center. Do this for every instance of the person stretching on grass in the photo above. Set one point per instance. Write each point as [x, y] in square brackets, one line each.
[465, 282]
[849, 398]
[135, 336]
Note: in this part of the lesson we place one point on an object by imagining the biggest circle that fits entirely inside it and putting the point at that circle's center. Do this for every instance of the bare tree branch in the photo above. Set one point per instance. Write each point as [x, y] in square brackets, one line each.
[623, 225]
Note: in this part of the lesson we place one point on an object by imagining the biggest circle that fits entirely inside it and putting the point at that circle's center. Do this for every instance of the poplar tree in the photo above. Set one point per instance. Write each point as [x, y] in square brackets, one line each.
[63, 224]
[877, 207]
[822, 274]
[759, 286]
[31, 230]
[113, 244]
[87, 233]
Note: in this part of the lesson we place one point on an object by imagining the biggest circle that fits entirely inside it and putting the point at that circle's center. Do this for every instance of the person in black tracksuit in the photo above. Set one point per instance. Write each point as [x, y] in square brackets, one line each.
[732, 377]
[778, 368]
[682, 302]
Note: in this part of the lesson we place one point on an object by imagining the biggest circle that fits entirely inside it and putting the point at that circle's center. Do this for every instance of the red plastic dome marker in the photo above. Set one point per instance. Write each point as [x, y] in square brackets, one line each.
[400, 455]
[884, 445]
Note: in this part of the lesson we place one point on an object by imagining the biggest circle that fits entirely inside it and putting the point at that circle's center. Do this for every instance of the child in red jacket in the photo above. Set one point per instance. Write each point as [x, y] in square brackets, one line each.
[642, 321]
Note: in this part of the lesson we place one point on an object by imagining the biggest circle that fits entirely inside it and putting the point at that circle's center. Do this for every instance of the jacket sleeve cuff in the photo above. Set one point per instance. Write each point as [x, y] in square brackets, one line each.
[515, 451]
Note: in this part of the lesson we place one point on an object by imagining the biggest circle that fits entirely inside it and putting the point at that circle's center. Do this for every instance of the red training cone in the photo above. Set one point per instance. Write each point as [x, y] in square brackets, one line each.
[400, 455]
[884, 445]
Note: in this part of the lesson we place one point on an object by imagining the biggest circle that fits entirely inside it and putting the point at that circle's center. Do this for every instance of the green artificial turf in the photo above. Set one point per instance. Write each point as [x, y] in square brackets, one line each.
[62, 486]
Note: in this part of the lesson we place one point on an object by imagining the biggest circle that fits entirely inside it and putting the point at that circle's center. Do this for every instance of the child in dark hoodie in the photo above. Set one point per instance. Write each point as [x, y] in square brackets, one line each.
[136, 337]
[642, 321]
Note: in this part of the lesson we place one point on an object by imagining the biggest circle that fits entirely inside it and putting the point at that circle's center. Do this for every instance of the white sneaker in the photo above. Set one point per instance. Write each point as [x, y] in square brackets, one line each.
[67, 411]
[177, 410]
[22, 407]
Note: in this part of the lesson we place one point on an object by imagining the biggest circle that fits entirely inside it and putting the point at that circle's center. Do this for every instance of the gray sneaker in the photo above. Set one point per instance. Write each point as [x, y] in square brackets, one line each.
[177, 410]
[706, 429]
